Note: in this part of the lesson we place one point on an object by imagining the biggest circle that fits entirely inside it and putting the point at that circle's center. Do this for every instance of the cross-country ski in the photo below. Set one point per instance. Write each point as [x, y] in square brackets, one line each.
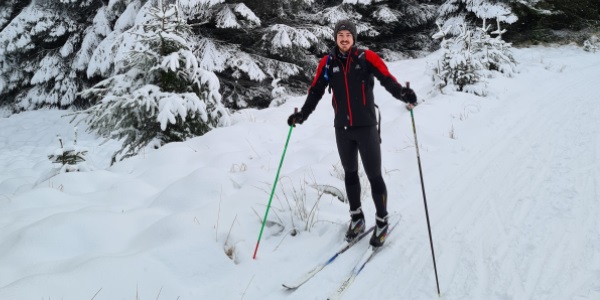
[310, 274]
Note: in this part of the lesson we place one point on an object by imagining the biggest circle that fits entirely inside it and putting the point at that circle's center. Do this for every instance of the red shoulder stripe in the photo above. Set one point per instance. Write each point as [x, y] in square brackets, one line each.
[322, 64]
[378, 63]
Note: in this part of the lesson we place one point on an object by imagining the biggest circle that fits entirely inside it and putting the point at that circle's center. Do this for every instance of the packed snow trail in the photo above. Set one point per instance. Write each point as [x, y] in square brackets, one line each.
[516, 214]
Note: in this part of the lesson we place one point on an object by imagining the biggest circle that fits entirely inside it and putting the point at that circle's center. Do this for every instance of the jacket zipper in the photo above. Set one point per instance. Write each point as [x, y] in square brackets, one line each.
[363, 94]
[346, 70]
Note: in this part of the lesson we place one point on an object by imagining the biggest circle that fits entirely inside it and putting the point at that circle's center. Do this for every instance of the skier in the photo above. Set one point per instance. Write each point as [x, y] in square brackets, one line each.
[349, 72]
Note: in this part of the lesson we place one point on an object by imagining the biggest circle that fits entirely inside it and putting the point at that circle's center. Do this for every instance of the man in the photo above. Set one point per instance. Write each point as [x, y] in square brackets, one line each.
[349, 73]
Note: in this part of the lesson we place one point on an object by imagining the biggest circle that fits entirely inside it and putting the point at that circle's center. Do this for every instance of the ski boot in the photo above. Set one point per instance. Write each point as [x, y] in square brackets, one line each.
[357, 225]
[380, 232]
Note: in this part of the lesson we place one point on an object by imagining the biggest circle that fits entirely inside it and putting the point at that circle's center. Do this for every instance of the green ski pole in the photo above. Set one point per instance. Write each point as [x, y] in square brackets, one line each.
[262, 228]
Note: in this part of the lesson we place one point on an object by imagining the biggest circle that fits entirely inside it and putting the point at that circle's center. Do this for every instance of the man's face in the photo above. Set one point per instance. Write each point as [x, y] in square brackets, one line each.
[344, 40]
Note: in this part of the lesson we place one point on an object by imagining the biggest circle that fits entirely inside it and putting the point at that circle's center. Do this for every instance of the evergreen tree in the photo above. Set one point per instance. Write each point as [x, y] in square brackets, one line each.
[37, 50]
[554, 20]
[251, 56]
[592, 44]
[469, 53]
[398, 28]
[158, 92]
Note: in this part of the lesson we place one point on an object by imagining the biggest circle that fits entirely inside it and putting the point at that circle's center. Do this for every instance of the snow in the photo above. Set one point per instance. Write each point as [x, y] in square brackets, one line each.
[284, 36]
[226, 19]
[385, 14]
[247, 13]
[511, 182]
[115, 47]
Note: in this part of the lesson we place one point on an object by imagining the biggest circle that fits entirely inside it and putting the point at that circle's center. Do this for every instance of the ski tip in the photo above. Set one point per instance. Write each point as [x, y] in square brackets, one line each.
[288, 287]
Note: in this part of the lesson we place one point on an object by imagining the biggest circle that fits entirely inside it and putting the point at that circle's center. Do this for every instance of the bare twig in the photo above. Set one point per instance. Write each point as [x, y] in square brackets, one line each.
[244, 293]
[227, 238]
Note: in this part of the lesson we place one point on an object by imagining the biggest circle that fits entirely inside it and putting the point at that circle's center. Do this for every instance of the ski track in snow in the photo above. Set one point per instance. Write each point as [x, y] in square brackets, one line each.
[544, 229]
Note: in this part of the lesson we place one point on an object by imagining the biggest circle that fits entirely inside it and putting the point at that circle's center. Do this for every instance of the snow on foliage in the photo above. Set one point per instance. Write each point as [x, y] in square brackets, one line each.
[44, 77]
[244, 63]
[225, 18]
[243, 10]
[110, 54]
[224, 15]
[69, 158]
[469, 54]
[592, 44]
[419, 15]
[219, 57]
[453, 13]
[278, 69]
[331, 15]
[283, 36]
[6, 10]
[92, 37]
[362, 2]
[213, 57]
[187, 4]
[385, 14]
[161, 95]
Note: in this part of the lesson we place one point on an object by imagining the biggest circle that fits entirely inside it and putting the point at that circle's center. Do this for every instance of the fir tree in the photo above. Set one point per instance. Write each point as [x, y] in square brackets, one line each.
[158, 93]
[554, 21]
[246, 52]
[469, 54]
[37, 48]
[592, 44]
[71, 158]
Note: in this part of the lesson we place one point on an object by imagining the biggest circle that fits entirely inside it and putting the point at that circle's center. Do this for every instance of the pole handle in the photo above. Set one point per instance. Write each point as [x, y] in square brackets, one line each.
[295, 112]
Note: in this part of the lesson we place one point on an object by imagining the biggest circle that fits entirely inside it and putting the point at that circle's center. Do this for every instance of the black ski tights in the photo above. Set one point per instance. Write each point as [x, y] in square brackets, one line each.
[363, 140]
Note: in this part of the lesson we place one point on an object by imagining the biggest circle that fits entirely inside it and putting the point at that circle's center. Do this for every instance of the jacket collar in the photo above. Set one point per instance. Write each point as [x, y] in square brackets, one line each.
[335, 52]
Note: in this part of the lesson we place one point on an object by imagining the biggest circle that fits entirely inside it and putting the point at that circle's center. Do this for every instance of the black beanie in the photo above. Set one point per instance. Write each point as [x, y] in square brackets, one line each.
[344, 25]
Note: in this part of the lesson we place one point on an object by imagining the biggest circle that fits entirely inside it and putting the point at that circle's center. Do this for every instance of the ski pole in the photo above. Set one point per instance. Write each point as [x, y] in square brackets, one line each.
[412, 117]
[273, 189]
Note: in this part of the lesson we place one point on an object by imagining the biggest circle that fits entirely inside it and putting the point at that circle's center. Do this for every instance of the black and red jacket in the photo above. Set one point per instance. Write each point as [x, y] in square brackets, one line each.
[352, 85]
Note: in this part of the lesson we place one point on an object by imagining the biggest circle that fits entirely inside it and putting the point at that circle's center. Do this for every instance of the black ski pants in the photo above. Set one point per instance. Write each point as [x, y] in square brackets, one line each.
[364, 140]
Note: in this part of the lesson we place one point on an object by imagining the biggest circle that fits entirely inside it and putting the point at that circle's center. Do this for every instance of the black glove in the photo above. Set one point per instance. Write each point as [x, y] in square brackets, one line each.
[408, 95]
[295, 118]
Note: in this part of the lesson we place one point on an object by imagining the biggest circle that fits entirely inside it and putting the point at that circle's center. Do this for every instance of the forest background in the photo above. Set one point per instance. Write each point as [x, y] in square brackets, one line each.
[193, 62]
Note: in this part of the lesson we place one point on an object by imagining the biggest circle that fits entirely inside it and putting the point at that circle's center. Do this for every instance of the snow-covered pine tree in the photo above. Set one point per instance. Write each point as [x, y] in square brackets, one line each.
[70, 158]
[592, 44]
[158, 93]
[403, 27]
[248, 54]
[494, 53]
[37, 48]
[469, 53]
[9, 9]
[284, 48]
[553, 21]
[458, 68]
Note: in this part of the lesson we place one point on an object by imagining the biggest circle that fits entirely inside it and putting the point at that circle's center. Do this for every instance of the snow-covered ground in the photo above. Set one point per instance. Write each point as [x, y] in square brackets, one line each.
[512, 184]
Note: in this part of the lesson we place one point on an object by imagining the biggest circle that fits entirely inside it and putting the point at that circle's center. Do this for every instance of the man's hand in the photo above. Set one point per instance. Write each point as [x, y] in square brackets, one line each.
[408, 96]
[295, 118]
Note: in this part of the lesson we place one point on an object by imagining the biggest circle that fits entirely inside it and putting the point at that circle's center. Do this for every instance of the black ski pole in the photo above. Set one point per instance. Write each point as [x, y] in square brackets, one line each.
[412, 117]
